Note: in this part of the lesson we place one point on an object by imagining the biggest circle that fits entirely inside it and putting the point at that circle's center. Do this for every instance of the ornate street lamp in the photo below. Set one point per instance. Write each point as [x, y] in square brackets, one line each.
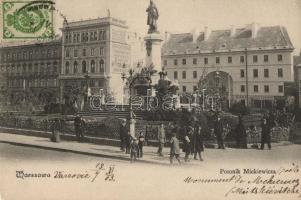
[217, 79]
[130, 79]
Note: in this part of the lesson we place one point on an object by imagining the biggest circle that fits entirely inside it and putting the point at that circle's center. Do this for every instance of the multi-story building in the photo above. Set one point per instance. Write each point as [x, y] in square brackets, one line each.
[30, 71]
[250, 64]
[93, 55]
[297, 69]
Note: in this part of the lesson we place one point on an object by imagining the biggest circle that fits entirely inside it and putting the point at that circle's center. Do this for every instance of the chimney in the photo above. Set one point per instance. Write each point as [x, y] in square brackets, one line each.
[232, 31]
[254, 28]
[206, 33]
[167, 36]
[195, 34]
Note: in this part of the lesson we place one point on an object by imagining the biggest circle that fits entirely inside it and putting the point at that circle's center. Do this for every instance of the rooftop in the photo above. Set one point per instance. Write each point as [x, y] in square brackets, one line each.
[273, 37]
[104, 20]
[19, 43]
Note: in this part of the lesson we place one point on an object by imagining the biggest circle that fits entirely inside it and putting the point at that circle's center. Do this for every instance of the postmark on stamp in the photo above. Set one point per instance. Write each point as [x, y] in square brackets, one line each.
[28, 19]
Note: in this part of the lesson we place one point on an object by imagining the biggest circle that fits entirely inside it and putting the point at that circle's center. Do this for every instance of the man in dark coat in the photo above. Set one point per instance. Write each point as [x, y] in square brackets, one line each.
[265, 134]
[122, 134]
[241, 135]
[78, 127]
[218, 131]
[187, 143]
[198, 145]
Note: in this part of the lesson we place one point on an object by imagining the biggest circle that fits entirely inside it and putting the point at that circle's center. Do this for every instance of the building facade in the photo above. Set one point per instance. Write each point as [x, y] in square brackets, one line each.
[93, 55]
[297, 69]
[30, 72]
[250, 64]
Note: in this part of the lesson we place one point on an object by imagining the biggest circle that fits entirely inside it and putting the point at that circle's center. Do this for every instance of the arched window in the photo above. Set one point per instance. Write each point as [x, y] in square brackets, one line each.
[84, 67]
[92, 66]
[67, 68]
[75, 69]
[101, 65]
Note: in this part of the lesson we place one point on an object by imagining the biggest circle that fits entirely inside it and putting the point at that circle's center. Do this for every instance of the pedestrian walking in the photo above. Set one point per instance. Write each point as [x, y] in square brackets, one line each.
[161, 139]
[218, 131]
[141, 140]
[241, 135]
[123, 135]
[134, 149]
[198, 144]
[78, 127]
[174, 148]
[127, 142]
[187, 143]
[265, 134]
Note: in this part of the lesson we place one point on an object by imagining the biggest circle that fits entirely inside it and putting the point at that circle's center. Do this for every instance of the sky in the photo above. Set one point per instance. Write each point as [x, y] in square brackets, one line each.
[182, 16]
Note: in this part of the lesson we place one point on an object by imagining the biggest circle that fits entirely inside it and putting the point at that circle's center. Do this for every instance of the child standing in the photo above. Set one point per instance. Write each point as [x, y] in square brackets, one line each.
[140, 144]
[134, 149]
[174, 148]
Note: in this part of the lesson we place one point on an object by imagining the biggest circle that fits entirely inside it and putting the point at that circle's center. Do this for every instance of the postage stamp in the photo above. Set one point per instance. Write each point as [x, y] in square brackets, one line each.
[27, 19]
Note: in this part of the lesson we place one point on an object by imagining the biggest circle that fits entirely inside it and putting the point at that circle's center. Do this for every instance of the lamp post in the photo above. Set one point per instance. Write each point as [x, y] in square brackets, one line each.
[87, 77]
[217, 79]
[204, 98]
[247, 81]
[130, 79]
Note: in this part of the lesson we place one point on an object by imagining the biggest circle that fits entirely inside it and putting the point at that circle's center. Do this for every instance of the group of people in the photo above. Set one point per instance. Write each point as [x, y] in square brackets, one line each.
[130, 144]
[241, 134]
[192, 138]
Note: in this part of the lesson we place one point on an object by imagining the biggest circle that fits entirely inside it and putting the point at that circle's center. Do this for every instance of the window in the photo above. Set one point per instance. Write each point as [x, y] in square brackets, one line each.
[101, 51]
[165, 62]
[255, 73]
[84, 67]
[217, 60]
[242, 88]
[255, 88]
[195, 74]
[279, 58]
[242, 73]
[280, 73]
[175, 62]
[255, 59]
[266, 89]
[67, 53]
[184, 75]
[242, 59]
[30, 54]
[84, 52]
[266, 73]
[102, 65]
[75, 52]
[75, 68]
[280, 88]
[195, 88]
[175, 75]
[92, 52]
[66, 69]
[229, 59]
[195, 61]
[92, 66]
[184, 61]
[205, 61]
[184, 88]
[266, 58]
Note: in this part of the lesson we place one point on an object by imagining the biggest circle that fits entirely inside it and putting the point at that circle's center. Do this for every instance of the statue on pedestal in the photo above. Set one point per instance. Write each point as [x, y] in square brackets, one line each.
[152, 17]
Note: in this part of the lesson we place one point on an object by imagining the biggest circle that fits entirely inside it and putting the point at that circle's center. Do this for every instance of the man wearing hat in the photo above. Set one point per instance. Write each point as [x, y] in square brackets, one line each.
[122, 134]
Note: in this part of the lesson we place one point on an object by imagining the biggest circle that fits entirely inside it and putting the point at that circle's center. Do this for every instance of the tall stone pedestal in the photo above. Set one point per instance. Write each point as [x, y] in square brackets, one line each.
[153, 54]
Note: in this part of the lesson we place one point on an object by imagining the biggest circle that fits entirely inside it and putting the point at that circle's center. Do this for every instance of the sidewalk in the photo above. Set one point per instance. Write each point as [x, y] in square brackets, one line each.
[150, 155]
